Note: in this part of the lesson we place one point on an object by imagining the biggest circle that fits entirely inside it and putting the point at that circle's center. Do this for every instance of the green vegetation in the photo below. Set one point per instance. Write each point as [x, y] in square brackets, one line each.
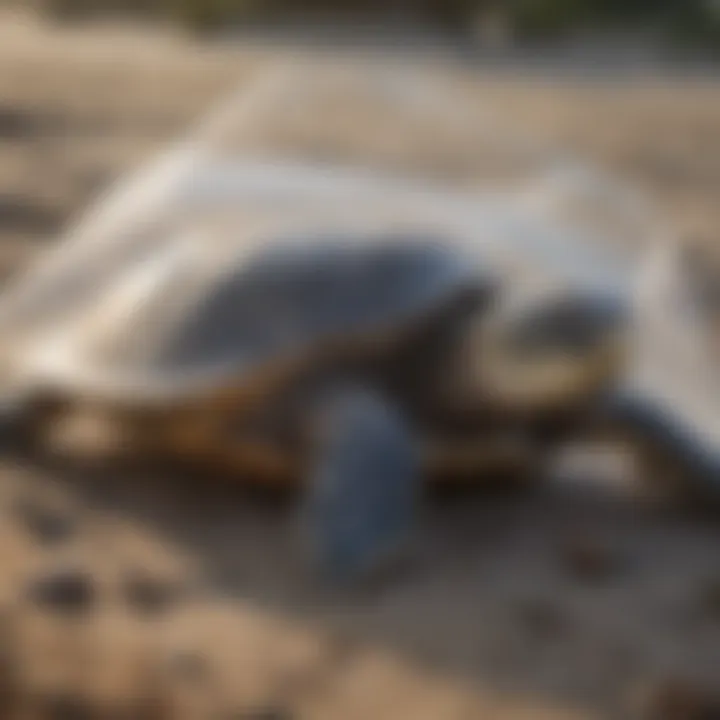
[689, 21]
[543, 18]
[697, 23]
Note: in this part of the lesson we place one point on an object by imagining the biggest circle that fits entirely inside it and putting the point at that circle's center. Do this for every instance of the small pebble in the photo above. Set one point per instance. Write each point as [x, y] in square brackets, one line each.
[710, 598]
[269, 712]
[49, 526]
[543, 618]
[145, 709]
[154, 711]
[189, 666]
[64, 707]
[69, 592]
[151, 596]
[590, 560]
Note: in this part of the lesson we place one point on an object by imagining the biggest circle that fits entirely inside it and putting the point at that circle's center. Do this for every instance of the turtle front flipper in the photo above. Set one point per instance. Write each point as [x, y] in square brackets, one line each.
[364, 488]
[675, 461]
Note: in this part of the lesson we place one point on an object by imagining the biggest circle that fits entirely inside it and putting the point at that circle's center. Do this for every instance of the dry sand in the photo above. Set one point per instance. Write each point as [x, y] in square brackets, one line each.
[548, 606]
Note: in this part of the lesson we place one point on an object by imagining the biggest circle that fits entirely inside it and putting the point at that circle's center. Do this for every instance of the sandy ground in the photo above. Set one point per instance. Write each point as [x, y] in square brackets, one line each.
[553, 605]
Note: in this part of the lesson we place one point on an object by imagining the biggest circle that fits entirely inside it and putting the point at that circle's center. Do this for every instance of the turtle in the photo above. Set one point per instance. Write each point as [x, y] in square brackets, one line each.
[329, 358]
[317, 326]
[356, 366]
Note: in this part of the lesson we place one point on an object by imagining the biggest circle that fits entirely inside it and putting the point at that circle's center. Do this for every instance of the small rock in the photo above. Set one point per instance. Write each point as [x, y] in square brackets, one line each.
[543, 618]
[589, 559]
[269, 712]
[678, 699]
[145, 709]
[66, 591]
[710, 598]
[64, 707]
[48, 525]
[190, 666]
[150, 596]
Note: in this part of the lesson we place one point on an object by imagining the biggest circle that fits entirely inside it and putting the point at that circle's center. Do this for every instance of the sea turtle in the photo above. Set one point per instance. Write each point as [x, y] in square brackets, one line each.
[347, 331]
[356, 364]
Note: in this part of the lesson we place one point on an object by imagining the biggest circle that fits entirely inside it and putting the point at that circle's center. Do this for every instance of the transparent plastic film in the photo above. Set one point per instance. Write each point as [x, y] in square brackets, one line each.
[370, 147]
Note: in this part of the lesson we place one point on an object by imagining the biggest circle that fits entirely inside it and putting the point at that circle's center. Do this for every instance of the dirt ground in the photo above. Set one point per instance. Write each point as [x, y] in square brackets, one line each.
[551, 605]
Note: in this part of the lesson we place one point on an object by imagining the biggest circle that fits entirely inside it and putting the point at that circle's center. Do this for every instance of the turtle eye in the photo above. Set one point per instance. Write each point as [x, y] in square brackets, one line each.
[570, 325]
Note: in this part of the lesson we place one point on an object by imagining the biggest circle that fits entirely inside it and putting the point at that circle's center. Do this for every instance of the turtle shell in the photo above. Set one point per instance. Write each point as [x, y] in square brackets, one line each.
[168, 284]
[199, 315]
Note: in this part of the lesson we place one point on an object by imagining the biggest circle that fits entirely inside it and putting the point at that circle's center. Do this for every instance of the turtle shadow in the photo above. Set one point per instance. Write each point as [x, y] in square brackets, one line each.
[564, 596]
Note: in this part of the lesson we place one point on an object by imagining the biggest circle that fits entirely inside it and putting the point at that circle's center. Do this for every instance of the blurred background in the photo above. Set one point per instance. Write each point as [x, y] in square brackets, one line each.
[694, 22]
[158, 597]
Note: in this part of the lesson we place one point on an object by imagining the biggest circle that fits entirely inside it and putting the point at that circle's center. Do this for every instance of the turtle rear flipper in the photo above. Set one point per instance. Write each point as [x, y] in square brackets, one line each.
[674, 460]
[363, 490]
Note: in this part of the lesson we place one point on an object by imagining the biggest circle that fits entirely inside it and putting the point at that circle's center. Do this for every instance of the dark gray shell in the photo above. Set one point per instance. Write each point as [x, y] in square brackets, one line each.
[204, 313]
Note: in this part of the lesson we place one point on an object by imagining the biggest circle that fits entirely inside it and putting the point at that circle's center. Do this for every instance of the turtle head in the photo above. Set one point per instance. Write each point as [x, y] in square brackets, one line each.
[551, 352]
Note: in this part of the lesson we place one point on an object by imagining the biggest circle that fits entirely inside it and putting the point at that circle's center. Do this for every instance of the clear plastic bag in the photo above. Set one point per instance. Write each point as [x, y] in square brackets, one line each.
[372, 146]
